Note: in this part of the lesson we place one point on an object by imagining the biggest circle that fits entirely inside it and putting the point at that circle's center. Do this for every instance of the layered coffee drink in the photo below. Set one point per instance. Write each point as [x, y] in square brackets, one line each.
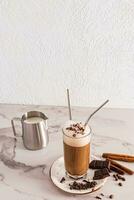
[76, 139]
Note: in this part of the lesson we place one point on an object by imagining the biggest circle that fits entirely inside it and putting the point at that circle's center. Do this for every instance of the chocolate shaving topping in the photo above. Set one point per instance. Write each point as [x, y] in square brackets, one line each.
[77, 128]
[71, 129]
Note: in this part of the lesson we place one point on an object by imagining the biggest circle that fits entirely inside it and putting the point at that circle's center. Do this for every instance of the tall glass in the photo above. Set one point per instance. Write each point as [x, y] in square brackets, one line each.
[76, 153]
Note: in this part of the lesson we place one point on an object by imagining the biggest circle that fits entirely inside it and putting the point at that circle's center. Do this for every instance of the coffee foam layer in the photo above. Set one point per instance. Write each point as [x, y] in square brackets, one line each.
[80, 139]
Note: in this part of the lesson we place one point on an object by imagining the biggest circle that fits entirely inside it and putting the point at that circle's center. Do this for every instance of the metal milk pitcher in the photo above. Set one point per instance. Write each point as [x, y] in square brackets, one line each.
[34, 130]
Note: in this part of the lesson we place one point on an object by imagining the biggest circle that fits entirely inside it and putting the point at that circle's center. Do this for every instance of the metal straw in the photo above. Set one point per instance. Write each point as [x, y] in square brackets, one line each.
[69, 106]
[95, 112]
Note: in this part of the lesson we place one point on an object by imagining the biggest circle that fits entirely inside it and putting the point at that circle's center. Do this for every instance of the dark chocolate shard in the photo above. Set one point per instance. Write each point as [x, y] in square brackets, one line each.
[97, 197]
[99, 164]
[62, 180]
[101, 173]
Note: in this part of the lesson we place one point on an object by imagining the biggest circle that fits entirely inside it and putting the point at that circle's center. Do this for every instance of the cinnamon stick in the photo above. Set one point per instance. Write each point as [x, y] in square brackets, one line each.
[123, 168]
[116, 169]
[120, 157]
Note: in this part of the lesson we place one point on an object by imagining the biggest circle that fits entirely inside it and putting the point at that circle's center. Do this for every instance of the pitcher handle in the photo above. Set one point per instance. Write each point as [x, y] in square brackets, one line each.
[13, 126]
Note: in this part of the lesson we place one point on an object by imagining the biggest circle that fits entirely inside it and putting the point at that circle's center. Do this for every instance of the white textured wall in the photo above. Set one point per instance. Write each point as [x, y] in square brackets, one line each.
[49, 45]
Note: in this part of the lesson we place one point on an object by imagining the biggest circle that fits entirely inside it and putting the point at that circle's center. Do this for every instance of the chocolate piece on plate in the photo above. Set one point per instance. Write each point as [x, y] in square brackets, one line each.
[101, 173]
[62, 180]
[99, 164]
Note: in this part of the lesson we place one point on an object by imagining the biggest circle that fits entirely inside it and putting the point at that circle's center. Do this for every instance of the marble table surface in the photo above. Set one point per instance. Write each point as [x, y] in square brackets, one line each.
[24, 175]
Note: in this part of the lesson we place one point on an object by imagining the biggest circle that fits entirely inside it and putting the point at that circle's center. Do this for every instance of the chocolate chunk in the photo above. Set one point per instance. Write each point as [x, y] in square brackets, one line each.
[99, 164]
[115, 177]
[120, 184]
[74, 135]
[71, 187]
[101, 173]
[62, 180]
[102, 194]
[97, 197]
[123, 179]
[120, 177]
[111, 196]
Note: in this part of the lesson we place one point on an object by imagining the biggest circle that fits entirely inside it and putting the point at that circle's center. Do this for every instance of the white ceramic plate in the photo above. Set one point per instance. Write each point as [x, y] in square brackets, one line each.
[57, 171]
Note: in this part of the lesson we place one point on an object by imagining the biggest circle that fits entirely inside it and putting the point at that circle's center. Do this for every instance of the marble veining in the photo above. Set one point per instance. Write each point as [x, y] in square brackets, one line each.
[25, 174]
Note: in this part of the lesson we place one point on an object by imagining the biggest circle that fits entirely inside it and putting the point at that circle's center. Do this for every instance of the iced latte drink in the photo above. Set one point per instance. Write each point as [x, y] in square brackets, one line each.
[76, 139]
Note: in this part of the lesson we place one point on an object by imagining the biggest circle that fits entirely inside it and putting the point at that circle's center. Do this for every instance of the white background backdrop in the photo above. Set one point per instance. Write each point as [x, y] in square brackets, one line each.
[85, 45]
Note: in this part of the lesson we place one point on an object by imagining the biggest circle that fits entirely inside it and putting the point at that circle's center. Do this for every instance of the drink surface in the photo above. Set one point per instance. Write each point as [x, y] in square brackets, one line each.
[33, 120]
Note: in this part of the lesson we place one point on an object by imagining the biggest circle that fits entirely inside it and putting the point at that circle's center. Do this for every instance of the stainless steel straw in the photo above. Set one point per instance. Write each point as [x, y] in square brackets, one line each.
[96, 111]
[69, 106]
